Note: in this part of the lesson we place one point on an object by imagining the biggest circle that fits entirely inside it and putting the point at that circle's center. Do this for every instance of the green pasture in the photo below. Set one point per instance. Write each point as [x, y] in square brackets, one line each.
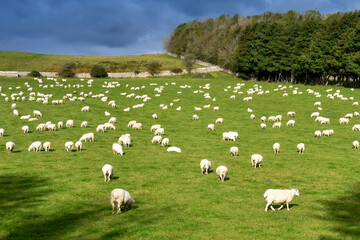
[61, 195]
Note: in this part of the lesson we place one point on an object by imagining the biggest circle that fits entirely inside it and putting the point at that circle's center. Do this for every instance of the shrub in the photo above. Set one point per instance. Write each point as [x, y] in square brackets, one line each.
[137, 72]
[176, 70]
[98, 71]
[67, 70]
[188, 62]
[34, 73]
[153, 67]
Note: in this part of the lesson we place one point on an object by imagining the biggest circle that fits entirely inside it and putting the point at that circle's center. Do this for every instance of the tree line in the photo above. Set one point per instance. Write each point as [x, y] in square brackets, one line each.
[307, 48]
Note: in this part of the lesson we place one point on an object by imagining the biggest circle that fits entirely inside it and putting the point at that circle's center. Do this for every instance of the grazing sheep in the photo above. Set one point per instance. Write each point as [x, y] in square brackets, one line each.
[2, 132]
[25, 129]
[231, 136]
[278, 118]
[47, 146]
[271, 119]
[159, 131]
[69, 146]
[35, 146]
[356, 114]
[262, 125]
[165, 142]
[344, 121]
[325, 121]
[112, 120]
[109, 126]
[211, 127]
[277, 125]
[317, 133]
[100, 128]
[280, 196]
[355, 144]
[219, 120]
[120, 197]
[156, 139]
[263, 119]
[117, 149]
[131, 123]
[349, 115]
[326, 133]
[291, 114]
[155, 127]
[60, 125]
[256, 159]
[69, 123]
[85, 109]
[155, 116]
[108, 172]
[87, 137]
[290, 123]
[174, 149]
[37, 113]
[126, 142]
[315, 114]
[301, 147]
[16, 112]
[252, 117]
[356, 127]
[276, 147]
[205, 165]
[10, 146]
[216, 109]
[84, 124]
[317, 104]
[78, 146]
[234, 151]
[195, 117]
[222, 172]
[123, 137]
[137, 126]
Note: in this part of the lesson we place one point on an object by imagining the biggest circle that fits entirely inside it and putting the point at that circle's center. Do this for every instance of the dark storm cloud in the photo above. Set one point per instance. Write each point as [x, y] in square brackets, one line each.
[116, 27]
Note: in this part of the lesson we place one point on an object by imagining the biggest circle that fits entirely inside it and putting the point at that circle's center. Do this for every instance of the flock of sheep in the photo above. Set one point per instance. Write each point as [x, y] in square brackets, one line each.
[121, 197]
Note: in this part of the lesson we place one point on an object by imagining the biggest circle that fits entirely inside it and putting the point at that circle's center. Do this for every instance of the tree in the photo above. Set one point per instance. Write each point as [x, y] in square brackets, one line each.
[67, 70]
[188, 62]
[98, 71]
[153, 67]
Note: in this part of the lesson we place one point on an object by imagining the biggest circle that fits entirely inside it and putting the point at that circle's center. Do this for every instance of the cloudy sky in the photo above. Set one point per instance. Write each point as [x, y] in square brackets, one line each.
[121, 27]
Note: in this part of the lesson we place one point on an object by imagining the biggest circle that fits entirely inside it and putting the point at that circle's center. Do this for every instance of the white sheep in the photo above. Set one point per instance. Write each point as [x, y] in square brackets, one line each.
[25, 129]
[205, 165]
[2, 132]
[108, 172]
[301, 147]
[117, 149]
[231, 136]
[277, 125]
[317, 133]
[355, 144]
[195, 117]
[100, 128]
[109, 126]
[317, 104]
[87, 137]
[60, 125]
[78, 145]
[356, 127]
[123, 137]
[291, 114]
[35, 146]
[131, 123]
[47, 146]
[69, 146]
[349, 115]
[120, 197]
[10, 146]
[126, 142]
[69, 123]
[271, 119]
[356, 114]
[155, 116]
[263, 119]
[344, 121]
[159, 131]
[85, 109]
[174, 149]
[16, 112]
[290, 123]
[256, 159]
[84, 124]
[211, 127]
[219, 120]
[165, 142]
[252, 117]
[276, 147]
[37, 113]
[137, 126]
[315, 114]
[262, 125]
[279, 196]
[155, 127]
[112, 120]
[222, 172]
[156, 139]
[234, 151]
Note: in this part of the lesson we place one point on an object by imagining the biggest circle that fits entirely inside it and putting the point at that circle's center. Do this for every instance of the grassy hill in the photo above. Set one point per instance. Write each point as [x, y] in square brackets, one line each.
[21, 61]
[62, 195]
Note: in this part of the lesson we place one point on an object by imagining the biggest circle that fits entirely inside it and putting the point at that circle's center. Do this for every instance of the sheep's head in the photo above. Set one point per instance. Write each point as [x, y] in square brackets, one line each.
[297, 192]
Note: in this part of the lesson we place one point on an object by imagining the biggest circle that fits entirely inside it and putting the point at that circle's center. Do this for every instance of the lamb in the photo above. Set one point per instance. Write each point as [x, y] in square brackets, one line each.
[156, 139]
[108, 172]
[69, 123]
[276, 147]
[84, 124]
[211, 127]
[219, 120]
[280, 196]
[37, 113]
[317, 133]
[155, 116]
[35, 146]
[137, 126]
[195, 117]
[78, 146]
[25, 129]
[165, 142]
[205, 165]
[10, 146]
[301, 147]
[85, 109]
[277, 125]
[2, 132]
[69, 146]
[256, 159]
[117, 149]
[290, 123]
[47, 146]
[87, 137]
[222, 172]
[120, 197]
[262, 125]
[234, 151]
[355, 144]
[174, 149]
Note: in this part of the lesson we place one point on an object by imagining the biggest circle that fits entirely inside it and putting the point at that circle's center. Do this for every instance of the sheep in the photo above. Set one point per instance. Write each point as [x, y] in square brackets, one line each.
[211, 127]
[349, 115]
[100, 128]
[252, 117]
[205, 165]
[356, 127]
[10, 146]
[87, 137]
[51, 127]
[84, 124]
[256, 159]
[344, 121]
[47, 146]
[159, 131]
[263, 119]
[137, 126]
[123, 137]
[290, 123]
[108, 172]
[326, 133]
[78, 146]
[301, 147]
[131, 123]
[216, 108]
[109, 126]
[40, 127]
[276, 147]
[317, 133]
[325, 121]
[69, 123]
[25, 117]
[13, 106]
[37, 113]
[195, 117]
[126, 142]
[271, 119]
[219, 120]
[85, 109]
[165, 142]
[156, 139]
[222, 172]
[60, 125]
[278, 118]
[315, 114]
[234, 151]
[25, 129]
[120, 197]
[355, 144]
[16, 112]
[279, 196]
[228, 136]
[155, 116]
[69, 146]
[35, 146]
[277, 125]
[117, 149]
[317, 104]
[2, 132]
[155, 127]
[291, 114]
[174, 149]
[112, 120]
[356, 114]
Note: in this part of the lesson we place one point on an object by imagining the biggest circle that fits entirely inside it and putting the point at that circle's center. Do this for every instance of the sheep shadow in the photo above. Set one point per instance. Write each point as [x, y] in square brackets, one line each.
[115, 178]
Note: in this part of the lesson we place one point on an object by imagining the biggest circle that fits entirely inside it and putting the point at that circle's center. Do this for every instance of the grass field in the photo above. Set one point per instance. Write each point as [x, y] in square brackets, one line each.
[61, 195]
[22, 61]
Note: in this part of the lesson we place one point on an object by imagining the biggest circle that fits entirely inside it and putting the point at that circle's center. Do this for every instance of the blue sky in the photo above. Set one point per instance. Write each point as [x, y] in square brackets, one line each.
[121, 27]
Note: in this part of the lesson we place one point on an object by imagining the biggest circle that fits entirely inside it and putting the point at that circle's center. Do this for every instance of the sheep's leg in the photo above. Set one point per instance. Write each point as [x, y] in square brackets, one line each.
[267, 206]
[113, 212]
[105, 177]
[287, 206]
[118, 209]
[207, 171]
[282, 205]
[272, 208]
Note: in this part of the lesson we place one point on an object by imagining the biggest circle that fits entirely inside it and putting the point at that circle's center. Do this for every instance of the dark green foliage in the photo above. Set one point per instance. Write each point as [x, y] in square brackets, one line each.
[188, 62]
[67, 70]
[176, 70]
[153, 67]
[34, 73]
[98, 71]
[307, 48]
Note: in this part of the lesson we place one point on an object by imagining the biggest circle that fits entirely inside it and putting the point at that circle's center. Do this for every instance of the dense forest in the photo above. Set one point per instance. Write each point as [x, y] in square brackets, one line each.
[305, 47]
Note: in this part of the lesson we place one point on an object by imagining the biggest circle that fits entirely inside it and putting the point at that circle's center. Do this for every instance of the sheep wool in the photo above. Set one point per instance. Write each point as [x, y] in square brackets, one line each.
[222, 172]
[205, 165]
[120, 197]
[108, 172]
[279, 196]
